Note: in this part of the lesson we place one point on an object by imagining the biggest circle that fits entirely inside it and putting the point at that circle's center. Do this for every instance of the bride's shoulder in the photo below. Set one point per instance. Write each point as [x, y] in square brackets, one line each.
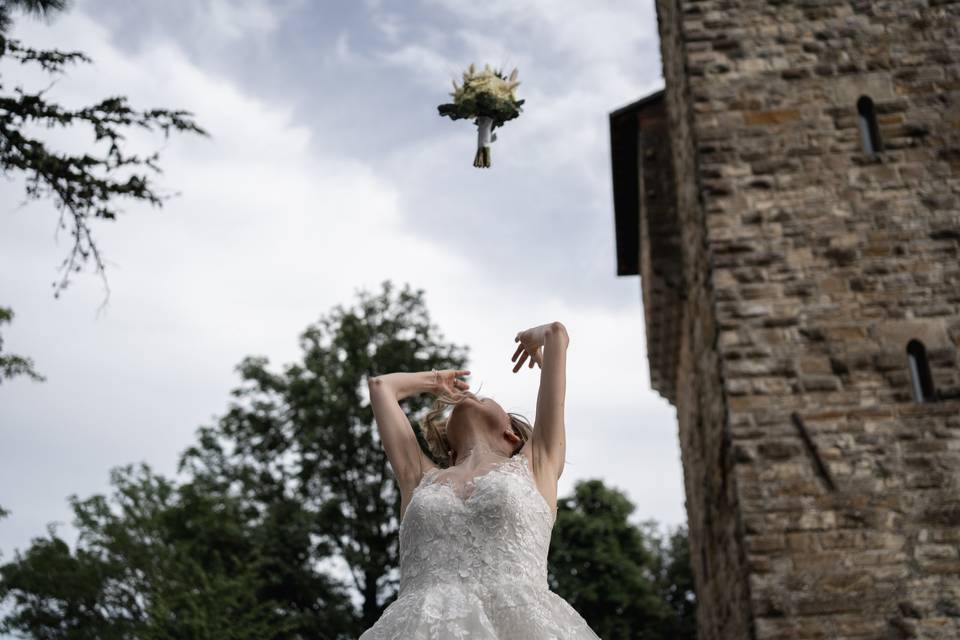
[427, 468]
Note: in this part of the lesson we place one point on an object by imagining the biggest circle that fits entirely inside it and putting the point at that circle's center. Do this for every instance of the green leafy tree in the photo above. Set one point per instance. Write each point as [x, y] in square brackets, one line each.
[610, 570]
[291, 478]
[674, 577]
[84, 186]
[12, 365]
[39, 8]
[158, 561]
[307, 433]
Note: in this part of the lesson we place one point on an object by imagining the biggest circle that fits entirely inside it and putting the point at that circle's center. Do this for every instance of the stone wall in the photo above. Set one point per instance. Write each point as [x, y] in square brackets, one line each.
[715, 529]
[823, 500]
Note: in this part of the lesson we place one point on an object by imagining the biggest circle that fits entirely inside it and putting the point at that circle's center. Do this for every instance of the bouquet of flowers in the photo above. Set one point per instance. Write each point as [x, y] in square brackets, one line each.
[487, 97]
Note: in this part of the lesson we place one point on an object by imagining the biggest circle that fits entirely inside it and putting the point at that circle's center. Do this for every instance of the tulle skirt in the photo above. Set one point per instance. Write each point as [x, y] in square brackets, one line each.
[510, 611]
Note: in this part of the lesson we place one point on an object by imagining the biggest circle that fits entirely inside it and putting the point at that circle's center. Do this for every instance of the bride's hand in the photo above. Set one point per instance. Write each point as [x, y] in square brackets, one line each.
[447, 380]
[531, 346]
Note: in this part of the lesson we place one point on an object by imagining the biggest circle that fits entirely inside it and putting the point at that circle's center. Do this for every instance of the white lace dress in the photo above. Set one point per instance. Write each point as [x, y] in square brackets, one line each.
[475, 565]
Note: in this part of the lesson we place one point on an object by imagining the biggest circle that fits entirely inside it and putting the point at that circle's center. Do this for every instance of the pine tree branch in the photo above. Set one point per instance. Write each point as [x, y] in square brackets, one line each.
[82, 185]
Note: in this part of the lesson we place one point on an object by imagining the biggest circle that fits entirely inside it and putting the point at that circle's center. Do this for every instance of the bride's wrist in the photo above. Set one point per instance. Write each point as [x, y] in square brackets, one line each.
[432, 384]
[425, 382]
[408, 383]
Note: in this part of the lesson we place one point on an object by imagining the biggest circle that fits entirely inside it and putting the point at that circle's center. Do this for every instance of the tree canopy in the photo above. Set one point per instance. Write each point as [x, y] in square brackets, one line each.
[627, 581]
[286, 522]
[307, 433]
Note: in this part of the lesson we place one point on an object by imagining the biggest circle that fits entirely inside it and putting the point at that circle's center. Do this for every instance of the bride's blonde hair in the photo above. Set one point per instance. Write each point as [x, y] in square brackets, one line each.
[434, 425]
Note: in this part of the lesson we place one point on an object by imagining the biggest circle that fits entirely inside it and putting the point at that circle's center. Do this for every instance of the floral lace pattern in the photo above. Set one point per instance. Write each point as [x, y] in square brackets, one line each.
[473, 563]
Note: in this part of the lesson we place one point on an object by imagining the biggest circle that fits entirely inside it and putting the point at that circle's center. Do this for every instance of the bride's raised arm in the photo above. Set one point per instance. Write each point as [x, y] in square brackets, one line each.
[396, 433]
[549, 441]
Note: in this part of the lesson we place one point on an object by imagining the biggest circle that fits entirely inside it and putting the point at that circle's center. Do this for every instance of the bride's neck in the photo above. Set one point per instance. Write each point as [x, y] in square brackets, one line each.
[479, 452]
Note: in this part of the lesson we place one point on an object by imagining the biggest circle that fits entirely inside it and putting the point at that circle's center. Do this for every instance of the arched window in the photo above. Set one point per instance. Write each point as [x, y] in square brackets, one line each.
[869, 131]
[920, 372]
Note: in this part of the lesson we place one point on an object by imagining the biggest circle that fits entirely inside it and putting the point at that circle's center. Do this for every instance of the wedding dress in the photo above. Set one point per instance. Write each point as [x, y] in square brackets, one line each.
[473, 563]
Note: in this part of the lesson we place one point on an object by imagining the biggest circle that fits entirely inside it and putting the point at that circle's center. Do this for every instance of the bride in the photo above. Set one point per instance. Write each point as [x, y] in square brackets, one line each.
[475, 531]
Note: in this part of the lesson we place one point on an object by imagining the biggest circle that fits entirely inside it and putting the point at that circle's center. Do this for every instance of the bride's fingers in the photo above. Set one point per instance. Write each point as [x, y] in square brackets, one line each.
[516, 353]
[519, 364]
[453, 375]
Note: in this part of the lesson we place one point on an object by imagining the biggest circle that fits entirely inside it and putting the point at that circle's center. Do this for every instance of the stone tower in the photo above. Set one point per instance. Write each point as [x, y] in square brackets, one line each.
[791, 201]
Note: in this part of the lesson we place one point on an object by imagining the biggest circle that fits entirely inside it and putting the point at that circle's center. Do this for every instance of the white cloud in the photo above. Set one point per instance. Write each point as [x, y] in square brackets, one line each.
[577, 62]
[271, 231]
[427, 65]
[265, 237]
[391, 25]
[592, 35]
[234, 19]
[342, 52]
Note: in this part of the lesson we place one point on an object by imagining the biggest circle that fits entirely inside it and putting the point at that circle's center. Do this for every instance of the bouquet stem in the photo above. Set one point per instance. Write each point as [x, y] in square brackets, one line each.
[484, 129]
[487, 97]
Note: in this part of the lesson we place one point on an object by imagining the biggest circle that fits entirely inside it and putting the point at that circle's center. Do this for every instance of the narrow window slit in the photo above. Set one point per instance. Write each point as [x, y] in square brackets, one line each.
[920, 375]
[869, 131]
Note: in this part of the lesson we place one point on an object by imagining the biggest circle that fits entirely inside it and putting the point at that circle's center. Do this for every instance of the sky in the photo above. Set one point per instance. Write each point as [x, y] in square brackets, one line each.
[328, 170]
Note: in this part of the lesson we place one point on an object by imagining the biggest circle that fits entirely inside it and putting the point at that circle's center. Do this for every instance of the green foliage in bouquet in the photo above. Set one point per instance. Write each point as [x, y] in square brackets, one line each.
[487, 93]
[487, 97]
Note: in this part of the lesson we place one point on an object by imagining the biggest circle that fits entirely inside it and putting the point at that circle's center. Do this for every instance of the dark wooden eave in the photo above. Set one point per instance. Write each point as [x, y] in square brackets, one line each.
[624, 135]
[648, 228]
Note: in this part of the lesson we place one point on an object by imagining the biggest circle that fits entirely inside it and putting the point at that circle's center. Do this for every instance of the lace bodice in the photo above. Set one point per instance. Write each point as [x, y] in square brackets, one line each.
[497, 528]
[473, 562]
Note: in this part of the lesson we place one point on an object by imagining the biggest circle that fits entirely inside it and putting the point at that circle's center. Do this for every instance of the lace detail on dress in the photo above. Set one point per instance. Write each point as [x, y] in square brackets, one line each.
[473, 562]
[465, 489]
